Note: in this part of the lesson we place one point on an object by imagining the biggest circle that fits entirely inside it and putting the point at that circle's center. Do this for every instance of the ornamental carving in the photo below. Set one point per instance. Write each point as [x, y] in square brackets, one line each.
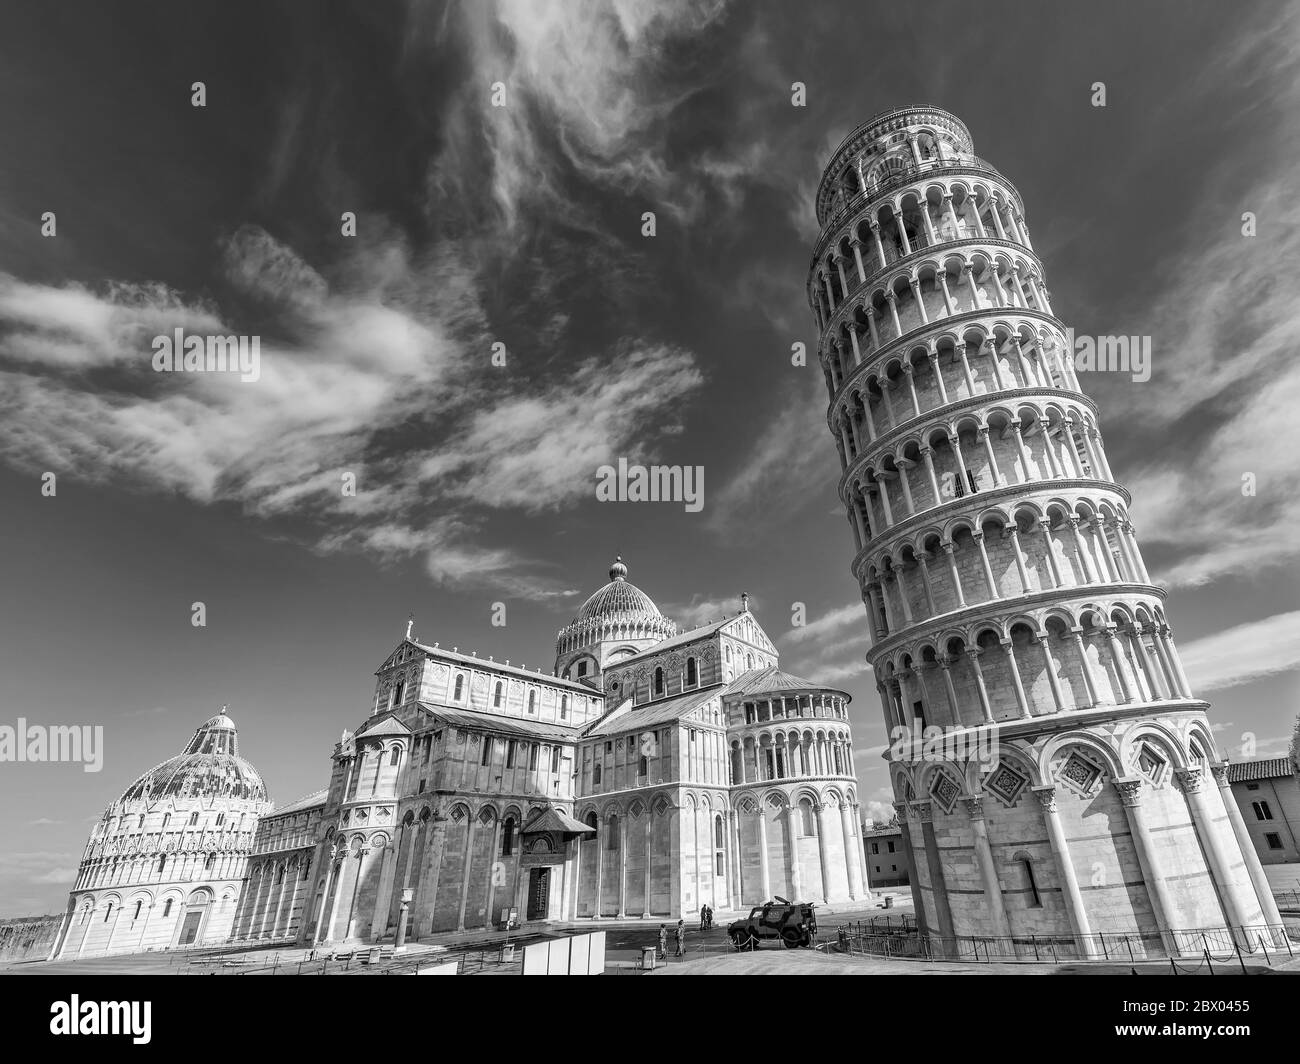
[1006, 783]
[1080, 773]
[944, 791]
[1192, 779]
[1130, 791]
[1046, 798]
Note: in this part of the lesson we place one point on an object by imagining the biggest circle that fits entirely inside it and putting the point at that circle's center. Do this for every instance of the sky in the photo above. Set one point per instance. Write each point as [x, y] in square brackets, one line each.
[523, 225]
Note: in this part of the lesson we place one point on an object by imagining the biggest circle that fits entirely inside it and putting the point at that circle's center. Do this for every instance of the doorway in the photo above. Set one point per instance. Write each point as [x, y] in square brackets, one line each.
[539, 892]
[190, 929]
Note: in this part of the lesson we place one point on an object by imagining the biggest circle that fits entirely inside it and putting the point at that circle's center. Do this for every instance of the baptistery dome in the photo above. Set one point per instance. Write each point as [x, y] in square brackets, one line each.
[208, 767]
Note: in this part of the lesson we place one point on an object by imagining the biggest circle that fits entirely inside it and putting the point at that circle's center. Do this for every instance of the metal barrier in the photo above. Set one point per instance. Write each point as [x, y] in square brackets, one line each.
[908, 943]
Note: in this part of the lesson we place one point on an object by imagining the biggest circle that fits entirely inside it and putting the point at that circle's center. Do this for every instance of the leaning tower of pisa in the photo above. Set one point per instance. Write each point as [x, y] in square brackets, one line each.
[1004, 586]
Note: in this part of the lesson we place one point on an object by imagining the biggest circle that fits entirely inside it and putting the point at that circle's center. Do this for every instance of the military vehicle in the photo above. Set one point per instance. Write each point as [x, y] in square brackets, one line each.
[794, 924]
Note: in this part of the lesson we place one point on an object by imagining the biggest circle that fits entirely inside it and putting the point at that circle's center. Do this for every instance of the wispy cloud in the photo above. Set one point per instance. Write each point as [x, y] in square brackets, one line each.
[1223, 325]
[1244, 653]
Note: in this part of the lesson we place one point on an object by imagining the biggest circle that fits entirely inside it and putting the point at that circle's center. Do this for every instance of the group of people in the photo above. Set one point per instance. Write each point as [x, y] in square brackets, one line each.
[680, 932]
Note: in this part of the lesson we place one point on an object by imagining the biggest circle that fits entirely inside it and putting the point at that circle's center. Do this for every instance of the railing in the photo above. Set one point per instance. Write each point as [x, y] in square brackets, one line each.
[1263, 941]
[1287, 900]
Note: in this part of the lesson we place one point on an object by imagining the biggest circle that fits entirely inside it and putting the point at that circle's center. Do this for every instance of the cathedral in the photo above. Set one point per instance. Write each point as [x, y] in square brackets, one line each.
[651, 773]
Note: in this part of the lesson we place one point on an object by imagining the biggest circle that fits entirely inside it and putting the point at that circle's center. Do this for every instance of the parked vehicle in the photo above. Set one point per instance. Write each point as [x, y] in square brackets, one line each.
[793, 923]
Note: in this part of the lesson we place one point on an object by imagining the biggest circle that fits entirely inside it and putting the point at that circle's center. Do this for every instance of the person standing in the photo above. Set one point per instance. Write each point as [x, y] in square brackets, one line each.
[663, 942]
[681, 938]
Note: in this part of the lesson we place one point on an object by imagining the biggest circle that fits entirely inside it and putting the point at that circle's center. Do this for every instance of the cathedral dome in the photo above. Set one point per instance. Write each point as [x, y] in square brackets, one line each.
[208, 767]
[620, 601]
[618, 620]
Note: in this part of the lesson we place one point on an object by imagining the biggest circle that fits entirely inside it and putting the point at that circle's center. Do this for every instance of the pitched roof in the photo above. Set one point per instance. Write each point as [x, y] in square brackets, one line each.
[772, 679]
[501, 725]
[535, 676]
[388, 725]
[677, 640]
[628, 717]
[306, 802]
[1267, 768]
[557, 820]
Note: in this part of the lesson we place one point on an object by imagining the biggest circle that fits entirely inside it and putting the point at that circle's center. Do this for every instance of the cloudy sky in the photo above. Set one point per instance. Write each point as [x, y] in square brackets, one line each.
[521, 225]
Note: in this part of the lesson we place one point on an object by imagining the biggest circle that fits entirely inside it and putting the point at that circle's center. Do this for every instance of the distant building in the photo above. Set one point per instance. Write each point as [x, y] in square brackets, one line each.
[886, 857]
[1268, 794]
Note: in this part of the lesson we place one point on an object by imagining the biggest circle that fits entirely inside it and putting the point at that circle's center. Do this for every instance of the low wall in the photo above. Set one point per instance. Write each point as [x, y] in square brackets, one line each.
[28, 938]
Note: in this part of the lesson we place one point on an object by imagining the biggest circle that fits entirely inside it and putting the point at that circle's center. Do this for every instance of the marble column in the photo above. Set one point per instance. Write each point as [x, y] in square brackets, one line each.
[1263, 890]
[997, 908]
[1070, 892]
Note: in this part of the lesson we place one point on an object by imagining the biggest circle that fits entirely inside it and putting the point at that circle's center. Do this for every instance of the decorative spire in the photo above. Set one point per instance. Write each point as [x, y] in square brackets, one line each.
[744, 602]
[410, 621]
[618, 571]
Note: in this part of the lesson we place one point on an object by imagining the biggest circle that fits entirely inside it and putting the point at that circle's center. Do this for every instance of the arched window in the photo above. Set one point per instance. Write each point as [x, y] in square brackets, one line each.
[496, 696]
[221, 819]
[749, 662]
[564, 707]
[396, 755]
[659, 681]
[595, 775]
[397, 693]
[644, 768]
[460, 687]
[611, 842]
[726, 653]
[532, 701]
[162, 863]
[167, 908]
[486, 755]
[141, 823]
[582, 668]
[108, 912]
[136, 915]
[194, 819]
[839, 764]
[807, 821]
[167, 819]
[508, 837]
[692, 673]
[717, 832]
